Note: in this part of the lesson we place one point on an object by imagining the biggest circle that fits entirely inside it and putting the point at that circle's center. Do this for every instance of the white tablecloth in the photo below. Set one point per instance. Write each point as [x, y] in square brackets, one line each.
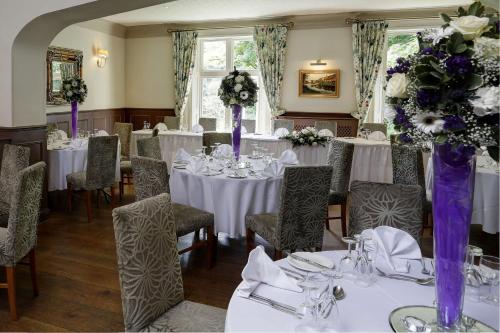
[486, 205]
[65, 161]
[363, 309]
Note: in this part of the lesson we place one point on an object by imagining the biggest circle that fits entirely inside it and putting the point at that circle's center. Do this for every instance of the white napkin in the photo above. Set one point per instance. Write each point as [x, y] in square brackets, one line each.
[61, 135]
[261, 269]
[224, 151]
[197, 128]
[161, 127]
[485, 161]
[274, 169]
[78, 143]
[244, 130]
[101, 133]
[195, 165]
[281, 132]
[396, 246]
[377, 136]
[288, 157]
[182, 156]
[325, 132]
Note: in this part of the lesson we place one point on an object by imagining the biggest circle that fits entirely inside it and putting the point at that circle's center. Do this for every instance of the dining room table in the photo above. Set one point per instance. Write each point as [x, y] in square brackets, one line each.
[364, 309]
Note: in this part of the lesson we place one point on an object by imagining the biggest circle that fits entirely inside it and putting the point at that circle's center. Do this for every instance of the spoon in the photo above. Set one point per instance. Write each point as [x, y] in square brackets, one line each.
[414, 324]
[338, 293]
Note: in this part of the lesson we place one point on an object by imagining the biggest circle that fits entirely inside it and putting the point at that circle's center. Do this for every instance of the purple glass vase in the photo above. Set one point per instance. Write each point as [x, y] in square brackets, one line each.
[237, 111]
[454, 169]
[74, 119]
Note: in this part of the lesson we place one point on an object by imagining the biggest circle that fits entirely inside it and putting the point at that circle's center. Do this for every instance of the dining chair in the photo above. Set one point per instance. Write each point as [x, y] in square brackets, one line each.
[150, 273]
[299, 224]
[208, 124]
[18, 239]
[14, 159]
[211, 138]
[100, 173]
[326, 124]
[282, 123]
[172, 122]
[249, 125]
[149, 147]
[376, 204]
[340, 155]
[151, 179]
[376, 127]
[124, 131]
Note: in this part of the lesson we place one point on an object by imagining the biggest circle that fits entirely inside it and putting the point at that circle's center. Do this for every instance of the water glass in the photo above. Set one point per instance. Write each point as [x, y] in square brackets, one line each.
[490, 269]
[473, 279]
[348, 262]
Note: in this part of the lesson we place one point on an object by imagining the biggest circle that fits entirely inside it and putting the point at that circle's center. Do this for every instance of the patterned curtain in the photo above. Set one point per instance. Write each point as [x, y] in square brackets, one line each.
[184, 43]
[368, 40]
[271, 47]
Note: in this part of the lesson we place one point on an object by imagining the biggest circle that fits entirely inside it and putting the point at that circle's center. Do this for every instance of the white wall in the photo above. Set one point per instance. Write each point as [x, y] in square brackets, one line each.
[106, 85]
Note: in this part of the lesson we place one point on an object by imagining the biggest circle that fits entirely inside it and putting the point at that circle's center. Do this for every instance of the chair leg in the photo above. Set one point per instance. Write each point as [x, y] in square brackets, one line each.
[69, 197]
[212, 247]
[121, 188]
[34, 283]
[88, 199]
[327, 221]
[112, 190]
[250, 240]
[11, 291]
[278, 254]
[343, 219]
[98, 195]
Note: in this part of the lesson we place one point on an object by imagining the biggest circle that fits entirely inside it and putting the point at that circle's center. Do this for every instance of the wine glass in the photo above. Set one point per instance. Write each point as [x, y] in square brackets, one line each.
[490, 268]
[473, 279]
[365, 276]
[310, 307]
[347, 263]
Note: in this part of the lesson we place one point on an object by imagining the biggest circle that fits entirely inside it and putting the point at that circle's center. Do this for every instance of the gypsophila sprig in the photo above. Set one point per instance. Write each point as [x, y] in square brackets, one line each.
[307, 136]
[238, 88]
[74, 89]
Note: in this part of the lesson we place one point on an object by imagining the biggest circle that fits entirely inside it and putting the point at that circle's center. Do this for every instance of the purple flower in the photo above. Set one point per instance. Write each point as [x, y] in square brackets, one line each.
[427, 51]
[402, 66]
[458, 65]
[428, 97]
[405, 138]
[453, 122]
[433, 52]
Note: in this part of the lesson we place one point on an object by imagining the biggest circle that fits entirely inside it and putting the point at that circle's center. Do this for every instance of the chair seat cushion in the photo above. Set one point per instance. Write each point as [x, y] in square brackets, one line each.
[337, 198]
[77, 180]
[264, 225]
[4, 214]
[126, 166]
[189, 219]
[190, 317]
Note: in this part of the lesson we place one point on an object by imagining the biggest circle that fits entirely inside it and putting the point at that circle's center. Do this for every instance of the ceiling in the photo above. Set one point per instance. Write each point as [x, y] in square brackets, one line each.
[191, 11]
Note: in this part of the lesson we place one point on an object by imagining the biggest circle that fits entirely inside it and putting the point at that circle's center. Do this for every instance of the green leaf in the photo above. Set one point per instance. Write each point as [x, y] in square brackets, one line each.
[462, 12]
[428, 79]
[436, 67]
[428, 86]
[445, 17]
[493, 151]
[474, 82]
[455, 44]
[436, 75]
[476, 9]
[441, 138]
[423, 68]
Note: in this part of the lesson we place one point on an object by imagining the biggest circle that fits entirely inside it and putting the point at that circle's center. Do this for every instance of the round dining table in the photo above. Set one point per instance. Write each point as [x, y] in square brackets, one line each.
[364, 309]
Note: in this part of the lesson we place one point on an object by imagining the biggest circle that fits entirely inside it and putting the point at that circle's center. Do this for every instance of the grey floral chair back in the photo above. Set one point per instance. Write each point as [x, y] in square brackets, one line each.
[376, 127]
[249, 125]
[150, 177]
[148, 263]
[149, 147]
[282, 123]
[172, 122]
[208, 124]
[340, 155]
[24, 214]
[101, 162]
[326, 124]
[394, 205]
[14, 159]
[408, 166]
[210, 138]
[124, 131]
[304, 206]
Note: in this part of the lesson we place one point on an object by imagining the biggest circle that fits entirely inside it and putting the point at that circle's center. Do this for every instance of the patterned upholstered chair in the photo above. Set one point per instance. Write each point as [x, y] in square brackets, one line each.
[14, 159]
[326, 124]
[208, 124]
[151, 178]
[146, 246]
[210, 138]
[149, 147]
[375, 127]
[18, 240]
[100, 173]
[249, 125]
[282, 123]
[124, 131]
[155, 132]
[172, 122]
[340, 155]
[303, 210]
[395, 205]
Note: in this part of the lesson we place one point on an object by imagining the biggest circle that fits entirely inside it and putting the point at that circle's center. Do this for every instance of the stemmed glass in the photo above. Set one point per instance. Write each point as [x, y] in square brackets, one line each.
[347, 263]
[473, 279]
[314, 298]
[490, 269]
[367, 253]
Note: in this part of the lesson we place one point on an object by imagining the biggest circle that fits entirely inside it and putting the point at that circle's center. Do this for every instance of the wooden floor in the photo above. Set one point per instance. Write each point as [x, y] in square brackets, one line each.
[78, 279]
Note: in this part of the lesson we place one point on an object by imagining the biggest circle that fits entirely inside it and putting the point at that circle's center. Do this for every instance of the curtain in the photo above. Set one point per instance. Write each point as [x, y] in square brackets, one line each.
[368, 40]
[271, 46]
[184, 44]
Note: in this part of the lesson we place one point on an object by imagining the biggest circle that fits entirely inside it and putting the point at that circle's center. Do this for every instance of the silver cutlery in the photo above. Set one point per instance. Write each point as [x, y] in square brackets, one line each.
[308, 261]
[275, 305]
[291, 271]
[424, 269]
[402, 277]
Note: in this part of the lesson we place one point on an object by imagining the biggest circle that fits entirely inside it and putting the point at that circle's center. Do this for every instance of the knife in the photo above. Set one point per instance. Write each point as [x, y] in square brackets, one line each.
[308, 261]
[275, 305]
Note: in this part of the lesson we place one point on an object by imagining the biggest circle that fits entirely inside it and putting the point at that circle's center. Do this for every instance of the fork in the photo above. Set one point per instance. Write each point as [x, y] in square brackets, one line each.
[405, 278]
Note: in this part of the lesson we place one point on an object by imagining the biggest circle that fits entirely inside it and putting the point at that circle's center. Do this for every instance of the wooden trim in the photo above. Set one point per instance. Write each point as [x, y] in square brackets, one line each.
[347, 125]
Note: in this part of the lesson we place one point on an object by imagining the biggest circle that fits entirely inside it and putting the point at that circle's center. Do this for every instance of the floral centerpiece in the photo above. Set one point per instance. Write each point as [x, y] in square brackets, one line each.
[446, 96]
[307, 136]
[236, 91]
[74, 90]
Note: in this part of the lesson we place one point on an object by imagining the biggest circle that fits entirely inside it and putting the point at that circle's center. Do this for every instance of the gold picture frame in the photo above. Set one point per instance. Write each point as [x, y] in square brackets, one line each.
[319, 83]
[57, 59]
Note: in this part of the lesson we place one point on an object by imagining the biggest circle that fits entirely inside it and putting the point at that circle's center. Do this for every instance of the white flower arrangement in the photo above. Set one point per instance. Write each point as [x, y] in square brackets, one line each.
[238, 88]
[74, 89]
[306, 136]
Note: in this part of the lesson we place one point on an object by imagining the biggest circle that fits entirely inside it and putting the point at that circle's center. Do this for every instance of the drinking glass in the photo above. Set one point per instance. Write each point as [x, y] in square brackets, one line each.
[310, 308]
[347, 263]
[365, 276]
[490, 268]
[473, 279]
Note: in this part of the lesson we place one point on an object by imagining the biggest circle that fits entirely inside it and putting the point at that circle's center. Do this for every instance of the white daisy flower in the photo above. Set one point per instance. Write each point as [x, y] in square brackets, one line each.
[74, 83]
[238, 87]
[430, 122]
[244, 95]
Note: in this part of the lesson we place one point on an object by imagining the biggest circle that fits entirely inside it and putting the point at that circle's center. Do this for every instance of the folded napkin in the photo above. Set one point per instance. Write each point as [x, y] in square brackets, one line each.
[182, 156]
[281, 132]
[101, 133]
[261, 269]
[61, 135]
[288, 157]
[161, 127]
[244, 130]
[224, 151]
[197, 128]
[377, 136]
[395, 246]
[274, 169]
[325, 132]
[195, 165]
[485, 161]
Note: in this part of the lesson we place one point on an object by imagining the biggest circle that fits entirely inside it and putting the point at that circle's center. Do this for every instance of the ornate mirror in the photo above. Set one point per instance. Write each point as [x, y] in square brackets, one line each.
[61, 64]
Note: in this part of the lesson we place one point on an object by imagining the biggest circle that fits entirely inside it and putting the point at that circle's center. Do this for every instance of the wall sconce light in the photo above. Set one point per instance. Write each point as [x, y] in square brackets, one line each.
[102, 57]
[318, 62]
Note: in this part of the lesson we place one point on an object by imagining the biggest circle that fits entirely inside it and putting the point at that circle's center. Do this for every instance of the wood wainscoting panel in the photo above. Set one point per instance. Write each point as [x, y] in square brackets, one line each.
[347, 125]
[137, 116]
[88, 120]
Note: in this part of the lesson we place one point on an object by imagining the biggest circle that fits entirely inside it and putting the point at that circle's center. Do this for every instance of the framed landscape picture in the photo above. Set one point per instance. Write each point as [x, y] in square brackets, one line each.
[319, 83]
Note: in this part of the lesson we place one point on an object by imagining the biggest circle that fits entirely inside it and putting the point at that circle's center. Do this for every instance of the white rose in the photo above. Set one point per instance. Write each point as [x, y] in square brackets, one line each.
[487, 103]
[304, 131]
[220, 91]
[69, 93]
[470, 26]
[239, 79]
[238, 87]
[82, 91]
[311, 138]
[396, 87]
[487, 47]
[301, 140]
[315, 143]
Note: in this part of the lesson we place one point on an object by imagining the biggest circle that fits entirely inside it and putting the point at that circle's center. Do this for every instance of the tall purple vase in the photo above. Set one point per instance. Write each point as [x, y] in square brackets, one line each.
[452, 195]
[237, 111]
[74, 119]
